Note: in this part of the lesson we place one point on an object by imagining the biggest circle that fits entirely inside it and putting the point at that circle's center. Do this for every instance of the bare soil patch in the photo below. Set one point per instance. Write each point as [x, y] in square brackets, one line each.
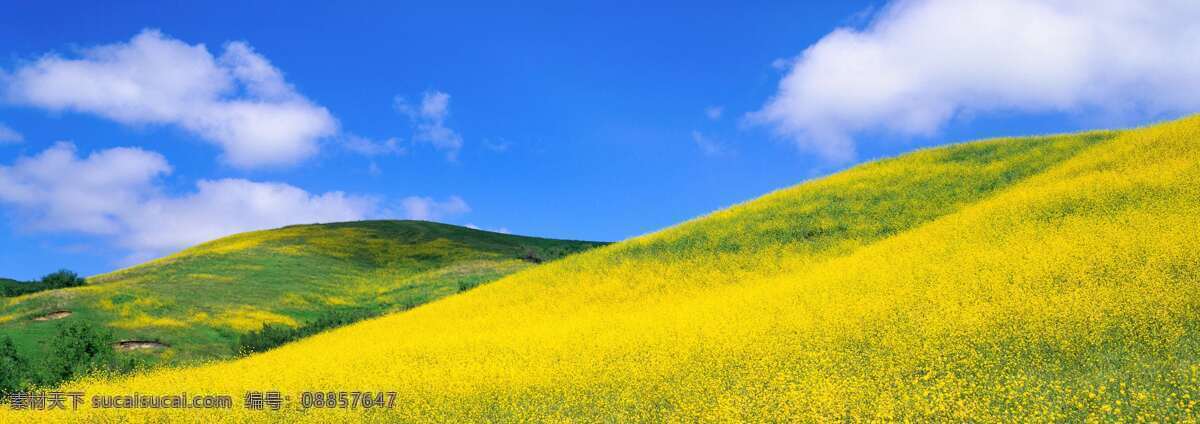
[53, 316]
[139, 344]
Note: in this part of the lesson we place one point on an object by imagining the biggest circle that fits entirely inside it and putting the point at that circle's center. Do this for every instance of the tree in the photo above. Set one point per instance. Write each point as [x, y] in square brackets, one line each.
[62, 278]
[80, 348]
[13, 368]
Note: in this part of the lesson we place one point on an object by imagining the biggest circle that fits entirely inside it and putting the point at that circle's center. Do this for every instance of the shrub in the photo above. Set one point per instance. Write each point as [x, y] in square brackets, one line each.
[61, 279]
[269, 336]
[275, 335]
[13, 288]
[78, 349]
[470, 283]
[57, 280]
[14, 370]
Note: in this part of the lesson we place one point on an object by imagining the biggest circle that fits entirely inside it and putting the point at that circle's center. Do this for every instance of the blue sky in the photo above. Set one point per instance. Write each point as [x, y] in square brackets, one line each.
[600, 121]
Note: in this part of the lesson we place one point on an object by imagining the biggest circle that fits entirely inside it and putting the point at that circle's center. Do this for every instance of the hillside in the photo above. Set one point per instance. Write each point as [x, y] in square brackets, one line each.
[8, 285]
[5, 282]
[1014, 280]
[198, 302]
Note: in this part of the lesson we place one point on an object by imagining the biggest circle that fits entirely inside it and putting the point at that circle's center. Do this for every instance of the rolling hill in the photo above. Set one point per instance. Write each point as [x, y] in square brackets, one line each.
[199, 301]
[1025, 279]
[5, 282]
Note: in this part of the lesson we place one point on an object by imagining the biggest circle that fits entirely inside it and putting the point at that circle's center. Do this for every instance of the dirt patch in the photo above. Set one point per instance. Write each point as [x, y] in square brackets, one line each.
[139, 345]
[53, 316]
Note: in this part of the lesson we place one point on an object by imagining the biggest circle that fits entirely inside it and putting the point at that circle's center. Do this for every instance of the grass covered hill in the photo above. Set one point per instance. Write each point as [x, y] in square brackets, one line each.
[203, 300]
[8, 282]
[1025, 279]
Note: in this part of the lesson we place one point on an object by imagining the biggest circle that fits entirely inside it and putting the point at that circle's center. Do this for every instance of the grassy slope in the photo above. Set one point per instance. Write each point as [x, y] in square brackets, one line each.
[200, 300]
[8, 282]
[1012, 280]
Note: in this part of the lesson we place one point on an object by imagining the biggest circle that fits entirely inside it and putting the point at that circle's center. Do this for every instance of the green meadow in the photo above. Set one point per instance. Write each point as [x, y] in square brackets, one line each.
[198, 304]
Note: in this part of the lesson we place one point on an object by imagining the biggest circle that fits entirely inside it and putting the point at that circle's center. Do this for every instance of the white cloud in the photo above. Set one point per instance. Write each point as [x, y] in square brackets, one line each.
[238, 101]
[9, 135]
[501, 230]
[430, 120]
[117, 193]
[368, 147]
[228, 206]
[921, 63]
[707, 145]
[429, 209]
[714, 112]
[92, 195]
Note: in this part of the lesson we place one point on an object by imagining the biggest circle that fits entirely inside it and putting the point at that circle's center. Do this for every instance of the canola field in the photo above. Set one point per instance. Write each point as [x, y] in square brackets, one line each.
[1014, 280]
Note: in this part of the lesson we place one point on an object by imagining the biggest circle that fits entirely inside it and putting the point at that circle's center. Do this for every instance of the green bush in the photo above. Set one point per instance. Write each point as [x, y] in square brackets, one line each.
[13, 288]
[79, 348]
[14, 370]
[470, 283]
[275, 335]
[57, 280]
[61, 279]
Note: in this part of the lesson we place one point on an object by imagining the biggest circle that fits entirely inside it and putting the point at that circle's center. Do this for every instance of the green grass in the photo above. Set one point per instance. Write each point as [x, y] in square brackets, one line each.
[201, 300]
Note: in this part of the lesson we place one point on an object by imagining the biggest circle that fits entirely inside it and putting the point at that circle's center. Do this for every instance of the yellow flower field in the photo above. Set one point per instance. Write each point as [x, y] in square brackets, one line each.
[1031, 279]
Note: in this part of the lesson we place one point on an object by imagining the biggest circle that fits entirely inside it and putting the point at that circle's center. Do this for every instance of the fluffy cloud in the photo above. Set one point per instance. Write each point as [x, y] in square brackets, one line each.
[9, 135]
[227, 206]
[707, 145]
[430, 120]
[238, 100]
[117, 193]
[93, 195]
[428, 209]
[920, 63]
